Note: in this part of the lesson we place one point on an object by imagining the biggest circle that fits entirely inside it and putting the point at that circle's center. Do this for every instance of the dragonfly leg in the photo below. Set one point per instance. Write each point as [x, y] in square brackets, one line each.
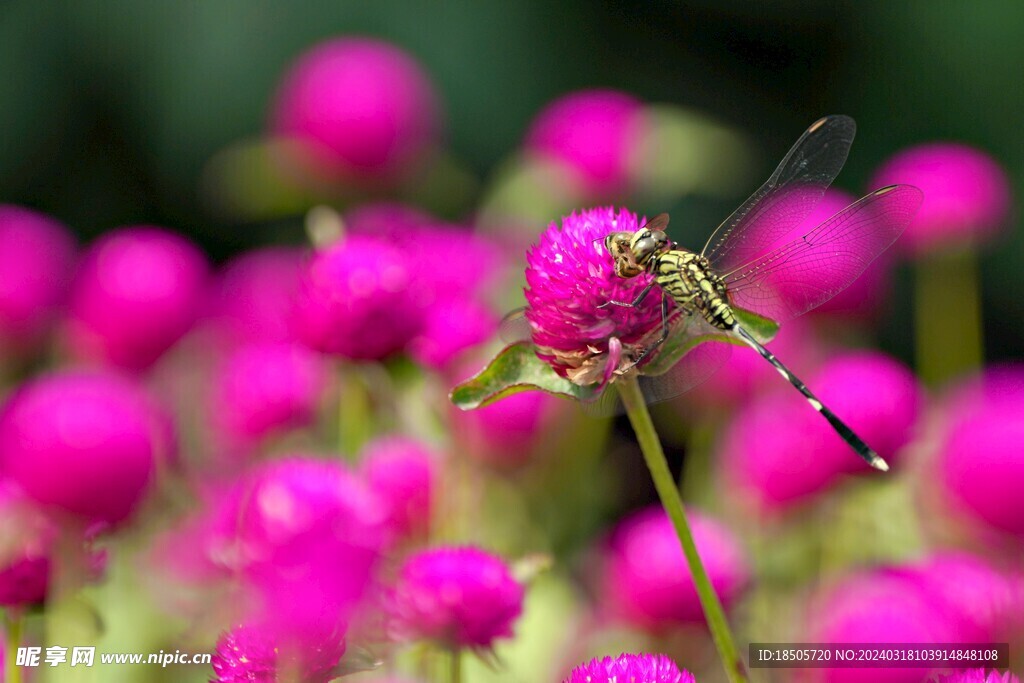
[624, 304]
[664, 331]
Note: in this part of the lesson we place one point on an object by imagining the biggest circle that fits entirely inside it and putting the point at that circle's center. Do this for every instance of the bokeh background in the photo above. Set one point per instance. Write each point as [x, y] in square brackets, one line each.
[118, 112]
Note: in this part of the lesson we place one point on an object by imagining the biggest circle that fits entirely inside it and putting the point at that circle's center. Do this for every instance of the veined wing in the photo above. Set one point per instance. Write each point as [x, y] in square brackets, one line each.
[805, 273]
[694, 359]
[515, 327]
[786, 198]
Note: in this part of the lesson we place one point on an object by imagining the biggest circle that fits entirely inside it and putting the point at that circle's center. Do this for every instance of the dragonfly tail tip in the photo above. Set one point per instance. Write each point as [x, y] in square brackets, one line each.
[879, 464]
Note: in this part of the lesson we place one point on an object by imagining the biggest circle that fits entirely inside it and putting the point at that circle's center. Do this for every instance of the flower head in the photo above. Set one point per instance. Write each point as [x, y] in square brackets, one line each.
[461, 597]
[85, 442]
[355, 301]
[647, 580]
[263, 654]
[628, 668]
[977, 676]
[591, 133]
[255, 294]
[37, 256]
[360, 108]
[265, 387]
[569, 275]
[25, 556]
[967, 194]
[137, 292]
[403, 472]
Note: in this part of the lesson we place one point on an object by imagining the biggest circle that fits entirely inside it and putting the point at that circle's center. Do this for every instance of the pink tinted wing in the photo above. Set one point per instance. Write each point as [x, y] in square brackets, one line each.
[515, 327]
[805, 273]
[786, 198]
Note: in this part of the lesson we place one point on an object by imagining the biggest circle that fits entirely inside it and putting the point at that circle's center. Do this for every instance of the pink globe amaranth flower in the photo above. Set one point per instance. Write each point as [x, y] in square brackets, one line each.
[980, 462]
[779, 452]
[866, 294]
[449, 260]
[986, 600]
[355, 300]
[25, 550]
[264, 654]
[254, 295]
[773, 457]
[460, 597]
[137, 292]
[403, 473]
[265, 387]
[361, 109]
[647, 580]
[879, 606]
[85, 442]
[977, 676]
[569, 274]
[508, 431]
[876, 395]
[453, 325]
[306, 539]
[37, 258]
[967, 195]
[593, 134]
[642, 668]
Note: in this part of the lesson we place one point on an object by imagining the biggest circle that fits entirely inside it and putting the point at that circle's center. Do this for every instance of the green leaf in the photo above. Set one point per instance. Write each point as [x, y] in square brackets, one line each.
[687, 336]
[516, 368]
[760, 328]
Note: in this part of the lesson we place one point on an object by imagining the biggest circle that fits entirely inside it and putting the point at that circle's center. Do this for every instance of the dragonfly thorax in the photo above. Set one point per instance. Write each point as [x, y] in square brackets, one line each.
[689, 280]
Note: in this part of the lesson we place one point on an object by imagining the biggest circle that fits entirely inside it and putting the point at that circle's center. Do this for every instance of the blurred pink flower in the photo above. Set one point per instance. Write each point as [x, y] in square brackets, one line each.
[137, 292]
[403, 473]
[647, 581]
[453, 325]
[592, 133]
[967, 195]
[977, 676]
[306, 537]
[355, 300]
[85, 442]
[879, 606]
[37, 259]
[569, 274]
[641, 668]
[508, 431]
[254, 295]
[987, 601]
[979, 462]
[362, 109]
[778, 452]
[459, 597]
[261, 388]
[25, 548]
[264, 654]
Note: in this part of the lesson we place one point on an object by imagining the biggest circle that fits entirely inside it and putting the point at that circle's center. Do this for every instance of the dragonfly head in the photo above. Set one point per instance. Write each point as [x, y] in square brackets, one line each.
[646, 243]
[619, 245]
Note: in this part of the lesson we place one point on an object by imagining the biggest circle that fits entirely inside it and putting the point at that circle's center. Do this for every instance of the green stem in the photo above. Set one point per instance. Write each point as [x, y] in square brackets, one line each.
[456, 662]
[15, 621]
[355, 412]
[947, 307]
[647, 437]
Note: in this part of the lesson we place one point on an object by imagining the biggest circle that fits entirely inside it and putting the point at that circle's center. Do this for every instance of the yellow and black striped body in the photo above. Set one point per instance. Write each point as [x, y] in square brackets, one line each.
[689, 280]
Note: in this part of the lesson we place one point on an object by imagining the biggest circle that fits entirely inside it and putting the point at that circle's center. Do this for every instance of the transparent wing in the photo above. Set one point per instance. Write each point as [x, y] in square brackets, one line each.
[515, 327]
[695, 367]
[805, 273]
[786, 198]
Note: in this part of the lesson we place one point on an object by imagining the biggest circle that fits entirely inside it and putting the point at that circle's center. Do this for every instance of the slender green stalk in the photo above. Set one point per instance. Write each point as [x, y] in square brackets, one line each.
[636, 409]
[947, 307]
[456, 662]
[15, 621]
[355, 412]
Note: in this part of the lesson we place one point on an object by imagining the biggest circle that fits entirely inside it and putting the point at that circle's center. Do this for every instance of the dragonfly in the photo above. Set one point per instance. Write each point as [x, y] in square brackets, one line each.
[749, 265]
